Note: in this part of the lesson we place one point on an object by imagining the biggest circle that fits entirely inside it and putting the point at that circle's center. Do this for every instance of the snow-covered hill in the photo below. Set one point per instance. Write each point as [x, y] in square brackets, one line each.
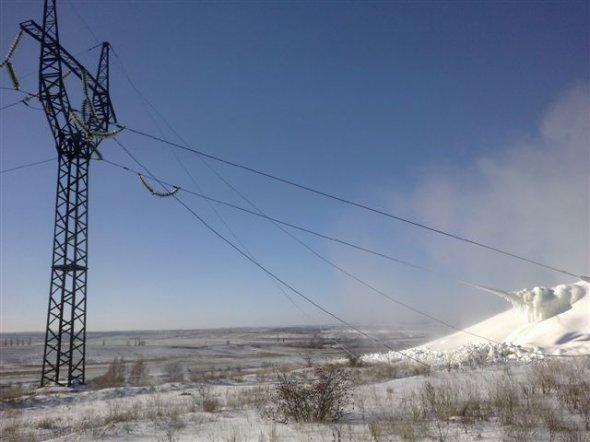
[512, 335]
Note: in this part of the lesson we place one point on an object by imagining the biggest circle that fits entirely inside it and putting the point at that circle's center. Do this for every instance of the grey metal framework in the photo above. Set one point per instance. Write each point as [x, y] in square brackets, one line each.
[76, 139]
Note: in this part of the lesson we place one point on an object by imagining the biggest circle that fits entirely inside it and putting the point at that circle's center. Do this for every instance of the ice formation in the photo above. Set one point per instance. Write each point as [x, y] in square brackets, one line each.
[469, 355]
[540, 303]
[557, 323]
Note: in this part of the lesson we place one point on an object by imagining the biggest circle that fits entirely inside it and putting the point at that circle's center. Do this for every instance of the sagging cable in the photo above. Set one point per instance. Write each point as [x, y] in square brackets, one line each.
[151, 190]
[13, 47]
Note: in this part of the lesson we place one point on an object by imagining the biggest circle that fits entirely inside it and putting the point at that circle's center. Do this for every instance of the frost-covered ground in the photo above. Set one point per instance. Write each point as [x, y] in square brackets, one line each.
[532, 382]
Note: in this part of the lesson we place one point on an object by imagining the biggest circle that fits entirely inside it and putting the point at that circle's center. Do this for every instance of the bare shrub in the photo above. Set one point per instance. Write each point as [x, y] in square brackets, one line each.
[544, 375]
[11, 392]
[576, 399]
[118, 412]
[12, 426]
[504, 399]
[138, 373]
[524, 427]
[354, 360]
[47, 424]
[437, 402]
[206, 401]
[574, 393]
[318, 399]
[256, 396]
[114, 376]
[174, 372]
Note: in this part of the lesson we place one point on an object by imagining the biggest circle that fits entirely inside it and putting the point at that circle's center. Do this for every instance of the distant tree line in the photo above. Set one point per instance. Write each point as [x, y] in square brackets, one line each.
[19, 342]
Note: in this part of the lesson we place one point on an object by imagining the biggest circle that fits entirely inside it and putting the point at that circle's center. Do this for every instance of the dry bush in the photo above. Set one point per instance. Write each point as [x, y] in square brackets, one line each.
[118, 412]
[197, 376]
[504, 396]
[320, 398]
[209, 403]
[437, 403]
[382, 371]
[138, 373]
[545, 375]
[11, 392]
[114, 376]
[174, 372]
[47, 424]
[256, 396]
[574, 393]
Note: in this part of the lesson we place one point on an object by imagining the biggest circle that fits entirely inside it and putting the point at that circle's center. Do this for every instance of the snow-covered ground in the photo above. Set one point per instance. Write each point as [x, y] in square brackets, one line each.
[514, 376]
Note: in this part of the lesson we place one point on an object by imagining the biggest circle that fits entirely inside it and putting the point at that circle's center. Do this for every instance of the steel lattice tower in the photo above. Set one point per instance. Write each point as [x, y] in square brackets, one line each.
[76, 139]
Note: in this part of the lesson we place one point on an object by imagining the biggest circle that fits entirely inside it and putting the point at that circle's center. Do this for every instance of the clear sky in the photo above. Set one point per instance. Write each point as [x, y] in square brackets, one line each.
[467, 116]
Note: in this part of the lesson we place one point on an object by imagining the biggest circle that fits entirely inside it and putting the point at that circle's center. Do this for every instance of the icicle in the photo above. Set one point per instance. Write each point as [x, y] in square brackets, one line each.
[12, 75]
[11, 50]
[151, 190]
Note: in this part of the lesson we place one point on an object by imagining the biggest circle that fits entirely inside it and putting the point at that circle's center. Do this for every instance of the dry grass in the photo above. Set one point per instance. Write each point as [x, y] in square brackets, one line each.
[546, 401]
[549, 400]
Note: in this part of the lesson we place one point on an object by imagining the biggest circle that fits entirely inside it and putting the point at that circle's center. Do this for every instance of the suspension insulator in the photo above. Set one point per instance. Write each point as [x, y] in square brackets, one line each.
[151, 190]
[11, 50]
[12, 76]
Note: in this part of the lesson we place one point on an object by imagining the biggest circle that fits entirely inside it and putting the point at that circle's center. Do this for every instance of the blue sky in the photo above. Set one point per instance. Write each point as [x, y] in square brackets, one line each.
[467, 116]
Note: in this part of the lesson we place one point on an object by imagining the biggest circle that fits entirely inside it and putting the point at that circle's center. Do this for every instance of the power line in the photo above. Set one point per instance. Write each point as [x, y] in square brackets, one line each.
[229, 229]
[85, 23]
[11, 105]
[270, 273]
[278, 223]
[331, 263]
[383, 294]
[310, 189]
[147, 105]
[12, 89]
[25, 166]
[354, 203]
[260, 214]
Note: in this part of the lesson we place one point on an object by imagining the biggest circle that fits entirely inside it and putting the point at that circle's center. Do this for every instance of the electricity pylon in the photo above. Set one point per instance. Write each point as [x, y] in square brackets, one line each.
[77, 135]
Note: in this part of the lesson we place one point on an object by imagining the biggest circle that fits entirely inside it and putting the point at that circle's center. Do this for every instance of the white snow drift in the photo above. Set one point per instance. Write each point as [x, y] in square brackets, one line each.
[544, 321]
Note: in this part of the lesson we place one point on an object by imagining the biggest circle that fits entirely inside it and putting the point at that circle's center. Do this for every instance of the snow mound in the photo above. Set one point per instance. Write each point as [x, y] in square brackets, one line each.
[511, 336]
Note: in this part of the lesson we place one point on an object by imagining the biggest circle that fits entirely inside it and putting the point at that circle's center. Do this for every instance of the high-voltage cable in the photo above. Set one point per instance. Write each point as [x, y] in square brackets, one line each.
[357, 204]
[270, 273]
[25, 166]
[336, 266]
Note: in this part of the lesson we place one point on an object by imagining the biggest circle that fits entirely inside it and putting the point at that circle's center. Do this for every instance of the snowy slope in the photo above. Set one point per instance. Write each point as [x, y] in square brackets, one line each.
[568, 331]
[510, 335]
